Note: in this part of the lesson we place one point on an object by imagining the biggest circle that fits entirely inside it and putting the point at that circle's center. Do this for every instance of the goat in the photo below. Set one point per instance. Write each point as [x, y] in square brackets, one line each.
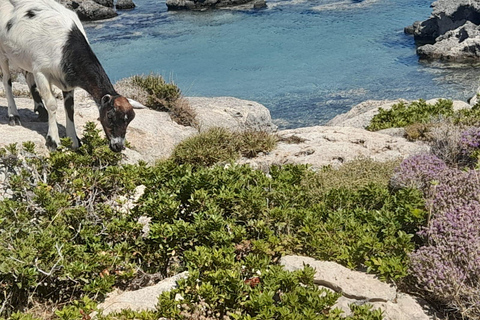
[48, 42]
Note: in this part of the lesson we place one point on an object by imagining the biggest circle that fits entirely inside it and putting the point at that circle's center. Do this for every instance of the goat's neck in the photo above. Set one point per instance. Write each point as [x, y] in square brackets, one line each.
[98, 84]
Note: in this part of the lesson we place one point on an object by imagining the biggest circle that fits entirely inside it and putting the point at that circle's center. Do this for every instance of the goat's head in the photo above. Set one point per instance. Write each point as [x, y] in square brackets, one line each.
[115, 115]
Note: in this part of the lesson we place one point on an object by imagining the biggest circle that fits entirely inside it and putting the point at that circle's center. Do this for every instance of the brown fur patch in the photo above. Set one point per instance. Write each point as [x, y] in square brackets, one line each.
[121, 103]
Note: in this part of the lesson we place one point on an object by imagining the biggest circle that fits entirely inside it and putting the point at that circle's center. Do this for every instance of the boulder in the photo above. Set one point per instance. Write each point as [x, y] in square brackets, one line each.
[105, 3]
[351, 284]
[90, 10]
[138, 300]
[152, 134]
[124, 4]
[451, 29]
[360, 115]
[447, 15]
[231, 113]
[201, 5]
[459, 45]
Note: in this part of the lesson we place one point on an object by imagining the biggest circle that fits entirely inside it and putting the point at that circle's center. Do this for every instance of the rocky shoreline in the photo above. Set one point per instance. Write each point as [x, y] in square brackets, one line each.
[153, 135]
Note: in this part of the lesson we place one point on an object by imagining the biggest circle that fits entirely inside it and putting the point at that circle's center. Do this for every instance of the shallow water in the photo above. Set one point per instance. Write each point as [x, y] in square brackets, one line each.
[306, 60]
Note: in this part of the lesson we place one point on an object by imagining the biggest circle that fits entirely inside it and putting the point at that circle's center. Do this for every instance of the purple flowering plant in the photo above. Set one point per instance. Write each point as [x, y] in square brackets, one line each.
[448, 265]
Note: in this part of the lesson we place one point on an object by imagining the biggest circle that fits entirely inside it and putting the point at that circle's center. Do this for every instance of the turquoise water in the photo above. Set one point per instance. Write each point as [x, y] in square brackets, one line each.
[306, 60]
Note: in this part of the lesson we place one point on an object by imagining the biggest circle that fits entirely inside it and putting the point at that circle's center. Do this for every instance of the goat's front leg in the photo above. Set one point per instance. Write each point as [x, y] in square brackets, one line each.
[13, 116]
[39, 106]
[69, 111]
[43, 85]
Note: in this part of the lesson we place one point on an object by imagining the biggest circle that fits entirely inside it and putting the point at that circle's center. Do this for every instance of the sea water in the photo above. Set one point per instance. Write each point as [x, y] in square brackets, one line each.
[305, 60]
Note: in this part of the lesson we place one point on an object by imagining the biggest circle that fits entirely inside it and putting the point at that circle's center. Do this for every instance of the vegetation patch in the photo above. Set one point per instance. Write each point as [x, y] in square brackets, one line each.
[66, 240]
[220, 145]
[155, 93]
[402, 114]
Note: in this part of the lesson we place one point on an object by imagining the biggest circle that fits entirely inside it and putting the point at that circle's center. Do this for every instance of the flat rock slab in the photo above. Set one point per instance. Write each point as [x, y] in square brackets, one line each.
[139, 300]
[351, 284]
[405, 307]
[321, 146]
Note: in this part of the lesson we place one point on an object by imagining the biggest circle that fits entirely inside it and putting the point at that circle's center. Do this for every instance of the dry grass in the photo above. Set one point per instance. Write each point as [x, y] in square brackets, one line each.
[153, 92]
[354, 174]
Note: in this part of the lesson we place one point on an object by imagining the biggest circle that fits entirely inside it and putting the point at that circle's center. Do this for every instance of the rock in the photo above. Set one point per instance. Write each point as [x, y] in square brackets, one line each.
[351, 284]
[447, 15]
[138, 300]
[459, 45]
[449, 26]
[105, 3]
[321, 146]
[360, 288]
[405, 307]
[231, 113]
[201, 5]
[361, 115]
[89, 10]
[125, 4]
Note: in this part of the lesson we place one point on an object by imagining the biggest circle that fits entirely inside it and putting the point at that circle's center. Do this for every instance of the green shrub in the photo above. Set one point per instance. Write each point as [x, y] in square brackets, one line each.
[221, 145]
[222, 287]
[64, 237]
[401, 114]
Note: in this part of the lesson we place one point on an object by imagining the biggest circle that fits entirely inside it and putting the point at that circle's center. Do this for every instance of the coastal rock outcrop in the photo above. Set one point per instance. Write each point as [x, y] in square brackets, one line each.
[451, 32]
[124, 4]
[202, 5]
[91, 10]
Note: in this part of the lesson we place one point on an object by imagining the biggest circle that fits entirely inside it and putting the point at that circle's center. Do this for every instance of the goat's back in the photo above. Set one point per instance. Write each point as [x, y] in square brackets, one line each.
[33, 33]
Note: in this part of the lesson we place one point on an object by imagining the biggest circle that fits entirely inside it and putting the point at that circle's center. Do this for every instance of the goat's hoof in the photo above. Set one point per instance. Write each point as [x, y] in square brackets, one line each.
[78, 144]
[14, 121]
[51, 144]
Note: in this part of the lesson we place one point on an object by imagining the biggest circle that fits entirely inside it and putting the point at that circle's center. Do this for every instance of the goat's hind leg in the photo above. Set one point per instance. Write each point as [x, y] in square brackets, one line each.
[39, 106]
[69, 111]
[13, 116]
[45, 89]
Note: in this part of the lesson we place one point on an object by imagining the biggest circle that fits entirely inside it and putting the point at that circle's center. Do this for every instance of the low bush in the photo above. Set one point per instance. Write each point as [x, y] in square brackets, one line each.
[222, 145]
[402, 115]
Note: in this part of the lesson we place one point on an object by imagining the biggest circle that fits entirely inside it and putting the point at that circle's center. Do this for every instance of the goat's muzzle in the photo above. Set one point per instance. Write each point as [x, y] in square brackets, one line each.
[117, 144]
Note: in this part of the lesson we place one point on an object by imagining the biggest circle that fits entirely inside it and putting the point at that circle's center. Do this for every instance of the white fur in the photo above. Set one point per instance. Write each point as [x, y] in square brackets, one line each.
[35, 45]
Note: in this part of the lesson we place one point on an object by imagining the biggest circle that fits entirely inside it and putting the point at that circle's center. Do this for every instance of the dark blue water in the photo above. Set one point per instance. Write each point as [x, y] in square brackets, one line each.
[306, 60]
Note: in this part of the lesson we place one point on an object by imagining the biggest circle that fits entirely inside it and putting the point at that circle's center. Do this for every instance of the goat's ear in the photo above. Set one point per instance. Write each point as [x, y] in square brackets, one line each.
[106, 99]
